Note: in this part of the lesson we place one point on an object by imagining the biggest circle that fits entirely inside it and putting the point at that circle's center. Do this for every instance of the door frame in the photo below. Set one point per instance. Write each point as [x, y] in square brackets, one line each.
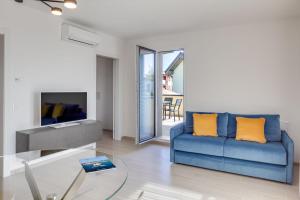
[116, 97]
[159, 94]
[138, 51]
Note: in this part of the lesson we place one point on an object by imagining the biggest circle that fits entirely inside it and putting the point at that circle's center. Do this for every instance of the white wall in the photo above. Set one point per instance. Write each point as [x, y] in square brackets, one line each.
[178, 79]
[36, 56]
[104, 90]
[246, 69]
[252, 68]
[1, 95]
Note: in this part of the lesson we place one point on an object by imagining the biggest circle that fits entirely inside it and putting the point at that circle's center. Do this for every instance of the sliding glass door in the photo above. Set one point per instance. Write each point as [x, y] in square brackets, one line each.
[146, 94]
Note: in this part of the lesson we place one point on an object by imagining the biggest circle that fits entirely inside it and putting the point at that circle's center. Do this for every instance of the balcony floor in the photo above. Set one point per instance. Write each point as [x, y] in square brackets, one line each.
[167, 125]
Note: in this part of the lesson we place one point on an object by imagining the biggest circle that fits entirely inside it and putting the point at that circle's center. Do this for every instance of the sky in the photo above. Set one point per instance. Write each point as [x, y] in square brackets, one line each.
[168, 59]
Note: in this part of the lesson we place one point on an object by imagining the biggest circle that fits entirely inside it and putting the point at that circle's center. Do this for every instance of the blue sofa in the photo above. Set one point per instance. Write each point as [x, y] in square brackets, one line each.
[273, 160]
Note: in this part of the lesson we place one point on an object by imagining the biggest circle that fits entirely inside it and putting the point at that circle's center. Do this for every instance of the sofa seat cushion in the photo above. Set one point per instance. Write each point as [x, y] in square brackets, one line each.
[271, 152]
[199, 144]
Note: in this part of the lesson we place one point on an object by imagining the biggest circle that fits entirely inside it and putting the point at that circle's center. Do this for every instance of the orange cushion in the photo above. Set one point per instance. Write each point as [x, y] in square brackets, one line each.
[251, 129]
[205, 124]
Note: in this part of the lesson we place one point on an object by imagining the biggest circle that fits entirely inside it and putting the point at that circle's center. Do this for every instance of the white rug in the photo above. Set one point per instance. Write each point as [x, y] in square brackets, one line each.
[158, 192]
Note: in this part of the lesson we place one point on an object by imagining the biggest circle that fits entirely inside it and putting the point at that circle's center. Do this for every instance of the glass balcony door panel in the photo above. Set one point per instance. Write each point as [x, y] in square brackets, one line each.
[147, 97]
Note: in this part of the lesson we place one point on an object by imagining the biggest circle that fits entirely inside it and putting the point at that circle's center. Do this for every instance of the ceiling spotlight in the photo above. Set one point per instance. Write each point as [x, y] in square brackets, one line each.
[56, 11]
[71, 4]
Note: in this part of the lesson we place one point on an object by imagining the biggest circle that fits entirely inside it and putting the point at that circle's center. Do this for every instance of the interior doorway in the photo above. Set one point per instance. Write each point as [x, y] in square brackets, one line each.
[171, 91]
[105, 93]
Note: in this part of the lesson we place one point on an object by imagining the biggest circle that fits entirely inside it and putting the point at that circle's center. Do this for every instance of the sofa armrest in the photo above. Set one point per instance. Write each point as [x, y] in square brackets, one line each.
[289, 147]
[175, 132]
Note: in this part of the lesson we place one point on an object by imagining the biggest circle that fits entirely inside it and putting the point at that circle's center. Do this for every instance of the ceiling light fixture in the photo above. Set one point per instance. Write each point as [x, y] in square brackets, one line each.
[71, 4]
[56, 11]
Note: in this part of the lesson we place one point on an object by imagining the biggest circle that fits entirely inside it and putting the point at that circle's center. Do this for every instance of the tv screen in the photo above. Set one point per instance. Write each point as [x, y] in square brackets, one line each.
[62, 107]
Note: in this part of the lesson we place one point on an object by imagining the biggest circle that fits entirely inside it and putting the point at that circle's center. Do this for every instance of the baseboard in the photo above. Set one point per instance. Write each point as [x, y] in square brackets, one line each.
[128, 138]
[161, 142]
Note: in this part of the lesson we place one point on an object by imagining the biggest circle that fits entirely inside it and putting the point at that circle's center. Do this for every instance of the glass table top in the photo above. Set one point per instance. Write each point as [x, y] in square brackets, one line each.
[62, 175]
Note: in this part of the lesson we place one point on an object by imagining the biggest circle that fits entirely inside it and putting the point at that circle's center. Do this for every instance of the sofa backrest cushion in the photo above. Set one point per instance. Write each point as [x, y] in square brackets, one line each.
[222, 122]
[272, 126]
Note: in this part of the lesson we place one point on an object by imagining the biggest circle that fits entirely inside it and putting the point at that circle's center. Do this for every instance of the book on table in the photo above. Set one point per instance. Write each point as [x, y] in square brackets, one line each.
[94, 164]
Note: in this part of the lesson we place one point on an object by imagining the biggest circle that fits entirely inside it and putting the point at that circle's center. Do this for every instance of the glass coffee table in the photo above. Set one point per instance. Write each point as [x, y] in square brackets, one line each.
[60, 176]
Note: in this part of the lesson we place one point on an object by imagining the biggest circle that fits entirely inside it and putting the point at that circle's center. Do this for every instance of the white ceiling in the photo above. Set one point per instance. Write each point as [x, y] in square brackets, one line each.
[136, 18]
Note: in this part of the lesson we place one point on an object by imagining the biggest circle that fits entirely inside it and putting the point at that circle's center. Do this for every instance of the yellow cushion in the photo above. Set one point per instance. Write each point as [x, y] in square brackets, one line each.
[250, 129]
[45, 109]
[205, 124]
[58, 110]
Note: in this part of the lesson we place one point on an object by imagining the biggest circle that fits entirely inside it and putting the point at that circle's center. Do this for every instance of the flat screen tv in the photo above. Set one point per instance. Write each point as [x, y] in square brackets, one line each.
[63, 107]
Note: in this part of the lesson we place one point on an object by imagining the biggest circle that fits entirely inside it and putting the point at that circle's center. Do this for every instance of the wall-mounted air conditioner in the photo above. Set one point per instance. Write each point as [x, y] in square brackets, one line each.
[75, 34]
